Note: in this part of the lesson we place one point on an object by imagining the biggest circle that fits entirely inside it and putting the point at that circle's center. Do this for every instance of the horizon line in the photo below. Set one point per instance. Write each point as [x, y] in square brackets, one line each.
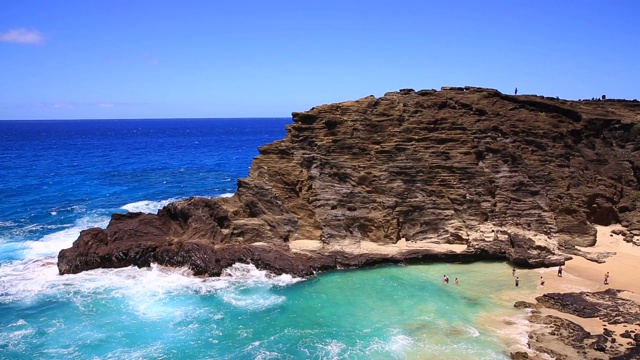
[162, 118]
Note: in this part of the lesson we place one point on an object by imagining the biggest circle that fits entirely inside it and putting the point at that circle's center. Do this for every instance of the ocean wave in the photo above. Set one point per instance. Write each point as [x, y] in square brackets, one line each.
[147, 206]
[515, 328]
[51, 244]
[152, 207]
[248, 287]
[7, 224]
[74, 208]
[396, 345]
[249, 274]
[144, 289]
[257, 300]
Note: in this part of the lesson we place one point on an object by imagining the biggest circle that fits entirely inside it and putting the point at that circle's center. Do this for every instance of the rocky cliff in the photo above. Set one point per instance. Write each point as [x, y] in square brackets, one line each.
[459, 174]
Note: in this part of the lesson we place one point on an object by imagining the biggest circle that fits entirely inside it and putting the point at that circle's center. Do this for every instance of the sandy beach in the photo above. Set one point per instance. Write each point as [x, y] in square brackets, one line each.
[580, 274]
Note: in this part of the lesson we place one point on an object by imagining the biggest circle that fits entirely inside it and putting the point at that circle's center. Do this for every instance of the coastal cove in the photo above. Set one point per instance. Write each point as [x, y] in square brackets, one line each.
[349, 220]
[86, 170]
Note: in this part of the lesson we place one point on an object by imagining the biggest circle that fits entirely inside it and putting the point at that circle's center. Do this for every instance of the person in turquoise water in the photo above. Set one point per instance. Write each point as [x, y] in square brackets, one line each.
[456, 281]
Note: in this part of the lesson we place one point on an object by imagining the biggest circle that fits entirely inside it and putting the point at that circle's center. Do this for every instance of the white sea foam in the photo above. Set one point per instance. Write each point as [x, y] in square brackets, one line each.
[239, 277]
[73, 208]
[7, 223]
[51, 244]
[396, 345]
[331, 349]
[515, 328]
[226, 195]
[259, 301]
[147, 206]
[152, 351]
[249, 274]
[144, 290]
[15, 339]
[473, 332]
[399, 343]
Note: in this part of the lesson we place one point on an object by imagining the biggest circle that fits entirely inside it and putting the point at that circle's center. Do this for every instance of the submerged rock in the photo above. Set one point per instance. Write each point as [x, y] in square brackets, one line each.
[460, 174]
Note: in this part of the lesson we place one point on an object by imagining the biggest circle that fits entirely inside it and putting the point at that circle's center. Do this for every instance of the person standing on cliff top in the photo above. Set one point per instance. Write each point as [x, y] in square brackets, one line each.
[516, 92]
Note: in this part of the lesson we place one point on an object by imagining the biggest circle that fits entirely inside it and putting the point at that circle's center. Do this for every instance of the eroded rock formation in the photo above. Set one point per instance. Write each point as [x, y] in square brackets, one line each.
[455, 175]
[562, 338]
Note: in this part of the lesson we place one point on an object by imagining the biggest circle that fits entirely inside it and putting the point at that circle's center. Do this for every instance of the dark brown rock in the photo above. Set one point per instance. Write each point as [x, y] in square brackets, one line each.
[524, 305]
[455, 175]
[562, 338]
[519, 355]
[605, 305]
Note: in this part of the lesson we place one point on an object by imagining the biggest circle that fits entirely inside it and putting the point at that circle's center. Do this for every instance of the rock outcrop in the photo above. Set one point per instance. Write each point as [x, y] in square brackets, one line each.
[561, 338]
[455, 175]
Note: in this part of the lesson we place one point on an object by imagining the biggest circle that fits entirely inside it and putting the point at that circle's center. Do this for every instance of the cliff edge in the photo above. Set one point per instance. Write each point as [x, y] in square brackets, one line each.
[460, 174]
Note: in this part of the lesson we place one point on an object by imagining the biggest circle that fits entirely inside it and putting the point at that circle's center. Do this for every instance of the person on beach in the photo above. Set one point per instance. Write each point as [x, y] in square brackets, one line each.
[517, 281]
[513, 272]
[541, 281]
[560, 271]
[606, 278]
[456, 281]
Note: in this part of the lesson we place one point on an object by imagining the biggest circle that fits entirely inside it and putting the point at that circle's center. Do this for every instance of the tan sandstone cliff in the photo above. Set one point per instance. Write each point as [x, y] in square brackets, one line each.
[460, 174]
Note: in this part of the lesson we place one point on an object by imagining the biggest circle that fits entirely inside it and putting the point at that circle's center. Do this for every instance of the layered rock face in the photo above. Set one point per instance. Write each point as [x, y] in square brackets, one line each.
[460, 174]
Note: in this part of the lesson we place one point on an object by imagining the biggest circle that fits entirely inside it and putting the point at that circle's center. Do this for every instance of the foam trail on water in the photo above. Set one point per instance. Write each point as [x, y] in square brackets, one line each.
[36, 271]
[51, 244]
[144, 289]
[152, 207]
[7, 223]
[147, 206]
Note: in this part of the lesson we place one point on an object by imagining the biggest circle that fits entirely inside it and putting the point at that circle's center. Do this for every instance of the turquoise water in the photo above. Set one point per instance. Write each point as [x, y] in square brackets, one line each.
[60, 177]
[378, 313]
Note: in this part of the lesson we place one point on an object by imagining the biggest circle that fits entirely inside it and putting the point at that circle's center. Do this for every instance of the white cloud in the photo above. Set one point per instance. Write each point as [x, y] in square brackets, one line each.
[22, 36]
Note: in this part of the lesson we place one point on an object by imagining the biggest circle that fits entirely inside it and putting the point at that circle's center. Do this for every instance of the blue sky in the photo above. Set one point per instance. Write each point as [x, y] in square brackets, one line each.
[80, 59]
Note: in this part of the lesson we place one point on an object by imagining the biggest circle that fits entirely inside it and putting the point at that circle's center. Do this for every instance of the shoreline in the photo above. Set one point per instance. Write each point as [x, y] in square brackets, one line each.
[582, 275]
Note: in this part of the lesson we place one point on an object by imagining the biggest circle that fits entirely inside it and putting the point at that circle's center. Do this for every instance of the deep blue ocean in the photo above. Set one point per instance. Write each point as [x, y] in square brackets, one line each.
[60, 177]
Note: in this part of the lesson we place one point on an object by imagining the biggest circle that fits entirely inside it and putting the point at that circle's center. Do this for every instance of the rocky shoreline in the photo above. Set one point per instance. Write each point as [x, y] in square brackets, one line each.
[561, 338]
[458, 175]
